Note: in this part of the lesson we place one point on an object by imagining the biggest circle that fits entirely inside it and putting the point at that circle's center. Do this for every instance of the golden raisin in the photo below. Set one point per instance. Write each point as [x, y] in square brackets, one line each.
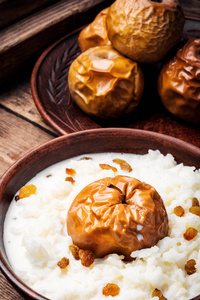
[27, 190]
[70, 179]
[63, 263]
[107, 167]
[123, 164]
[48, 175]
[179, 211]
[195, 201]
[159, 294]
[190, 233]
[86, 158]
[71, 172]
[111, 289]
[190, 266]
[87, 257]
[74, 250]
[195, 210]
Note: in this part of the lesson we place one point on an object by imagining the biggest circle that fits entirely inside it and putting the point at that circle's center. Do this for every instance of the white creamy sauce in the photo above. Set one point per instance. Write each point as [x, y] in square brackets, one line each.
[35, 234]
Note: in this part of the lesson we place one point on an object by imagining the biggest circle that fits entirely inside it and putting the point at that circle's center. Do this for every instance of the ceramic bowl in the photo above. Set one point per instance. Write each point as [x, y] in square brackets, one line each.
[90, 141]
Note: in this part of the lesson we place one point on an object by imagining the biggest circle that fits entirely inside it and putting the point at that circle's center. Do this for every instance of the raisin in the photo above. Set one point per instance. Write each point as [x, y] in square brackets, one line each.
[190, 266]
[179, 211]
[71, 172]
[70, 179]
[48, 175]
[87, 257]
[159, 294]
[27, 190]
[107, 167]
[195, 210]
[190, 233]
[63, 263]
[85, 158]
[17, 198]
[123, 164]
[195, 201]
[74, 250]
[111, 289]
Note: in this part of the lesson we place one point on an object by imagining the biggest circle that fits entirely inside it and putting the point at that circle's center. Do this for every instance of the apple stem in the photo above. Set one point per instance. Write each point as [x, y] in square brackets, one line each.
[110, 185]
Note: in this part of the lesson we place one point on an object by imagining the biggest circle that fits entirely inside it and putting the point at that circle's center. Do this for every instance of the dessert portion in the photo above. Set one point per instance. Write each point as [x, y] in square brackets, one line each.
[104, 83]
[43, 255]
[95, 34]
[117, 215]
[144, 30]
[179, 83]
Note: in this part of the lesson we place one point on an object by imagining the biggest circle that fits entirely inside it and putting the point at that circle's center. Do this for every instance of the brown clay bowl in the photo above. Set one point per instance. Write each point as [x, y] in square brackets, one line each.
[91, 141]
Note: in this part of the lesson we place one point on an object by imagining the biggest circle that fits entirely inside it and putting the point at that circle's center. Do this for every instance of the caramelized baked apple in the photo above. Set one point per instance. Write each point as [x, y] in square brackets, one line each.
[179, 83]
[144, 30]
[95, 34]
[105, 84]
[117, 215]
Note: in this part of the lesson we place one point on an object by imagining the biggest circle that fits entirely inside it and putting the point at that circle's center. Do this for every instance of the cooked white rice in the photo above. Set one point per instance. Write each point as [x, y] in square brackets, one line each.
[35, 234]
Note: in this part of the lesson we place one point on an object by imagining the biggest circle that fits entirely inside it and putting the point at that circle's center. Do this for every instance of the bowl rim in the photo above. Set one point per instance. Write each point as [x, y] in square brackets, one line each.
[140, 132]
[69, 139]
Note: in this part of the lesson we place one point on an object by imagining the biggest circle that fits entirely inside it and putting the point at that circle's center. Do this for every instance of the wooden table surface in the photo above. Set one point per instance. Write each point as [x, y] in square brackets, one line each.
[21, 129]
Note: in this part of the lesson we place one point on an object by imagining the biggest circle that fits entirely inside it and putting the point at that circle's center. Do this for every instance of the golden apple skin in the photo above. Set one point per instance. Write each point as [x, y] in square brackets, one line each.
[95, 34]
[144, 30]
[105, 84]
[107, 222]
[179, 83]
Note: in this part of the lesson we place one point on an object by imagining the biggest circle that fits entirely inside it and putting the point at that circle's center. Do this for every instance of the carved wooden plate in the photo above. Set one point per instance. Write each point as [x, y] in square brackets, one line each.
[49, 84]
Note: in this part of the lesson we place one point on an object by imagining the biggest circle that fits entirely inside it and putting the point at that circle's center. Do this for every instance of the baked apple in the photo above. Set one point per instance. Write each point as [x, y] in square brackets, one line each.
[117, 215]
[104, 83]
[144, 30]
[95, 34]
[179, 83]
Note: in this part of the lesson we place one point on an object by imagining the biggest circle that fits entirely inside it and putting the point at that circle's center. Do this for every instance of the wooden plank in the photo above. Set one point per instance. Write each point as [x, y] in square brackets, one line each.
[13, 10]
[19, 100]
[17, 137]
[191, 8]
[31, 35]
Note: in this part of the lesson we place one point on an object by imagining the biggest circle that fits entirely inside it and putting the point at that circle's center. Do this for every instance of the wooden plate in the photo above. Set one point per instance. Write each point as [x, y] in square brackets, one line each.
[49, 84]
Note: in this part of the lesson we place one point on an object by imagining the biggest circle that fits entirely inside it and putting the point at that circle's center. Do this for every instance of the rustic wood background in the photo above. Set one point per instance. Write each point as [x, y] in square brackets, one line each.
[24, 40]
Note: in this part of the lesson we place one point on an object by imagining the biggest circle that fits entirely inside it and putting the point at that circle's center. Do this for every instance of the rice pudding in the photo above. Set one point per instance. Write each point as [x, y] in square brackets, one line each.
[36, 238]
